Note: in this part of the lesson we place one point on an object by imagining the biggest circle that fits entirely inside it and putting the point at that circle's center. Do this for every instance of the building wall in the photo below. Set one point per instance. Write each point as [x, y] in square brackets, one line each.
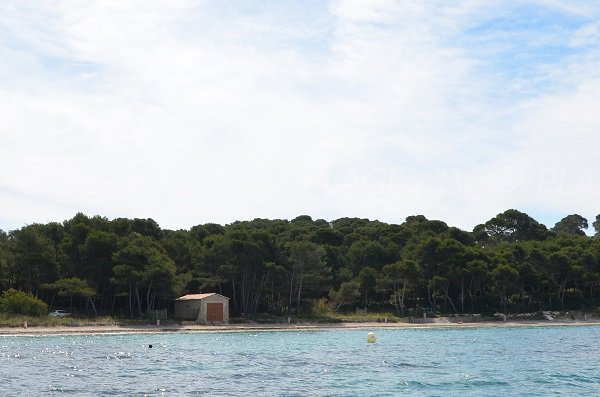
[213, 299]
[187, 310]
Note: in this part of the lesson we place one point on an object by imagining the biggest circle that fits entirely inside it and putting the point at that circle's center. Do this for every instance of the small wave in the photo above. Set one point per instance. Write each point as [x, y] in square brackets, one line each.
[484, 383]
[406, 365]
[120, 356]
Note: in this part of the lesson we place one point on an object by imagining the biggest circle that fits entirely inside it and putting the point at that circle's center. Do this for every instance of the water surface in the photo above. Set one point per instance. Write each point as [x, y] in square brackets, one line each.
[413, 362]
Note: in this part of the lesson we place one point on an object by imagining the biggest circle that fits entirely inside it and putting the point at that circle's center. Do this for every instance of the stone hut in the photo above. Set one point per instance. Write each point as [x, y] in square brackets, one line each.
[203, 308]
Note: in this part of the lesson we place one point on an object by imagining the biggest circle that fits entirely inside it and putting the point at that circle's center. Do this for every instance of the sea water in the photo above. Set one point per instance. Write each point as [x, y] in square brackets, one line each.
[534, 361]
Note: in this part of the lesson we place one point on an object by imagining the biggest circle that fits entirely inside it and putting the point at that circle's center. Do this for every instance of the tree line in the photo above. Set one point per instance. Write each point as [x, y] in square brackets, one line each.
[511, 263]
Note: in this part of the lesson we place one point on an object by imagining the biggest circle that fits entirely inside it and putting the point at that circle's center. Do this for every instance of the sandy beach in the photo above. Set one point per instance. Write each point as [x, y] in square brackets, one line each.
[127, 329]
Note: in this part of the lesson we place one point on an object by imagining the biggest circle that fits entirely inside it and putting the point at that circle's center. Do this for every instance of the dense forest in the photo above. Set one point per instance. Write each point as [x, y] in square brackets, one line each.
[510, 263]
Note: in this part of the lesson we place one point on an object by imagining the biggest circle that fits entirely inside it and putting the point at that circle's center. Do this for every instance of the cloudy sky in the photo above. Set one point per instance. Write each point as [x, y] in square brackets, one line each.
[203, 111]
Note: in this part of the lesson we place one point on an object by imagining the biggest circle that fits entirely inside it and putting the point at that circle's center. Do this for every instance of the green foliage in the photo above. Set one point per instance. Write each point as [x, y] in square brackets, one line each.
[347, 294]
[320, 309]
[279, 267]
[70, 287]
[143, 265]
[399, 277]
[34, 257]
[18, 302]
[368, 280]
[309, 271]
[596, 225]
[16, 320]
[510, 226]
[366, 317]
[571, 224]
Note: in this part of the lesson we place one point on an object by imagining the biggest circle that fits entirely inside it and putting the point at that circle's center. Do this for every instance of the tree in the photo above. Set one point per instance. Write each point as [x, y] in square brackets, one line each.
[505, 278]
[596, 225]
[420, 225]
[179, 246]
[592, 268]
[571, 224]
[309, 271]
[143, 265]
[347, 294]
[567, 264]
[510, 226]
[97, 263]
[76, 231]
[18, 302]
[277, 265]
[127, 276]
[398, 275]
[327, 236]
[70, 287]
[476, 272]
[364, 253]
[253, 260]
[442, 261]
[161, 280]
[244, 258]
[368, 281]
[6, 270]
[146, 227]
[34, 261]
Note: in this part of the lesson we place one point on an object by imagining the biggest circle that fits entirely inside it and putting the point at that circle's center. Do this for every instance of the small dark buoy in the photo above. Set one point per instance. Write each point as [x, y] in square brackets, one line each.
[149, 346]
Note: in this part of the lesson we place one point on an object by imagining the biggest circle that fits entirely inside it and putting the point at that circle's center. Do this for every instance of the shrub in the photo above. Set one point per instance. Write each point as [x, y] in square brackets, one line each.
[320, 308]
[19, 302]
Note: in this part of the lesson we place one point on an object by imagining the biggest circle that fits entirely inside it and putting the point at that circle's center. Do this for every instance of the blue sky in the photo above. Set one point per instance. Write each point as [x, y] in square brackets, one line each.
[192, 112]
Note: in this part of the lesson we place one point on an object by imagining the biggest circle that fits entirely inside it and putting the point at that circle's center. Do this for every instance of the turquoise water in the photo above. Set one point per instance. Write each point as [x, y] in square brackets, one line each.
[561, 361]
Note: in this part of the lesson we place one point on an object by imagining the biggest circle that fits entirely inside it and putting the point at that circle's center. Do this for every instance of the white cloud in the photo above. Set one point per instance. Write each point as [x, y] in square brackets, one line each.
[188, 113]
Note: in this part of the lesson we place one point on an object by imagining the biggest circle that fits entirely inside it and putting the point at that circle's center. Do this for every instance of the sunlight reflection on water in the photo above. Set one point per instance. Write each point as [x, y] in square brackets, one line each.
[465, 362]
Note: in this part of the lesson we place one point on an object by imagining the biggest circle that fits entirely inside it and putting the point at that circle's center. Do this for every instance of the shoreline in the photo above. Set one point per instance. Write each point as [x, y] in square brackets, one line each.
[229, 328]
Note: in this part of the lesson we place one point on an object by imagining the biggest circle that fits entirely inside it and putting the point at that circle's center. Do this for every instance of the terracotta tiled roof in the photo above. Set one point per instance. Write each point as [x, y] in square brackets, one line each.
[190, 297]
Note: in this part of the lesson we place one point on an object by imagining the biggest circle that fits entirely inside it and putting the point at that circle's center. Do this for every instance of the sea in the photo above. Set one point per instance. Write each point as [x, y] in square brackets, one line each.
[520, 361]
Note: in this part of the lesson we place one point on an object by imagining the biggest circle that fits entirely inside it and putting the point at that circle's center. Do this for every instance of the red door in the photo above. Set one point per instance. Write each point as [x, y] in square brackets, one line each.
[214, 312]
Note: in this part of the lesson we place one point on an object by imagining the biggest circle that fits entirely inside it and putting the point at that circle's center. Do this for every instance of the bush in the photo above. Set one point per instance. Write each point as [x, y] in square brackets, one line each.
[19, 302]
[321, 309]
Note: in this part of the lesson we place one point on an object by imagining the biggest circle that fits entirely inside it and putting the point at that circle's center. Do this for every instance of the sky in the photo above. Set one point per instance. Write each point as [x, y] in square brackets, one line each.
[190, 112]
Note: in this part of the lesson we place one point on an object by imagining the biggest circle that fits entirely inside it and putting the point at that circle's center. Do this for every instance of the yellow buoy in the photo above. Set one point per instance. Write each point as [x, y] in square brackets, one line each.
[371, 337]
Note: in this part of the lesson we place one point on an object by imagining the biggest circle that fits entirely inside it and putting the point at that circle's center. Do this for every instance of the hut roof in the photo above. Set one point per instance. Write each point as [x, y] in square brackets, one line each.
[190, 297]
